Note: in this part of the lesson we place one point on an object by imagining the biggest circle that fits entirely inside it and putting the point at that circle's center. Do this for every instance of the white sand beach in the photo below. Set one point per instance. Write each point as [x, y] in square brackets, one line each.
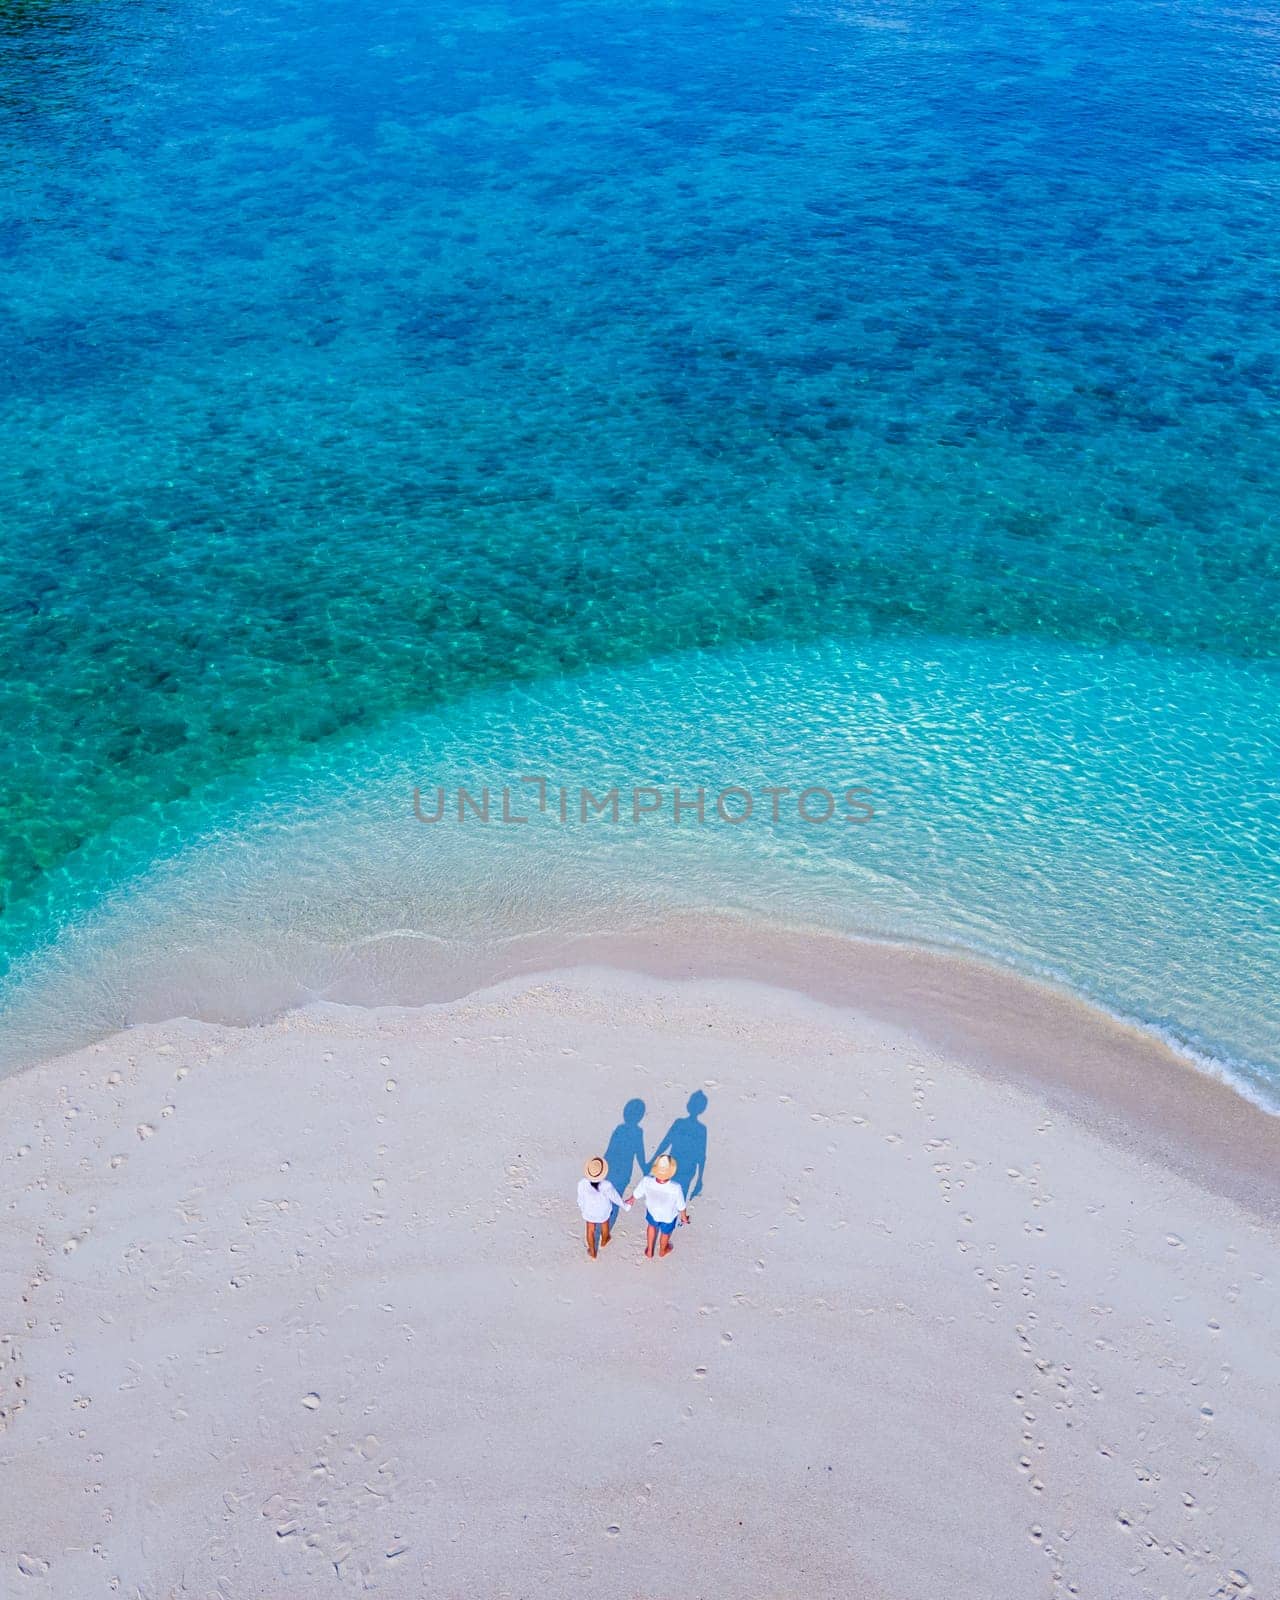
[303, 1308]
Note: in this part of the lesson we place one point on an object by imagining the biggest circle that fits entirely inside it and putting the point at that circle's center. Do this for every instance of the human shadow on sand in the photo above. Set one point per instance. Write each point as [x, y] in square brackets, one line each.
[686, 1144]
[625, 1150]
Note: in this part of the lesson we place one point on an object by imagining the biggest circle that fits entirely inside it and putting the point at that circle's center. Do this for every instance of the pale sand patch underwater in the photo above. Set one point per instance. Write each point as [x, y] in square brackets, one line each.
[303, 1308]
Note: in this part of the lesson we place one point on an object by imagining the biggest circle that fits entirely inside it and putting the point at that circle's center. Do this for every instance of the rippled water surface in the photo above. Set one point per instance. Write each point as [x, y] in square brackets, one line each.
[356, 360]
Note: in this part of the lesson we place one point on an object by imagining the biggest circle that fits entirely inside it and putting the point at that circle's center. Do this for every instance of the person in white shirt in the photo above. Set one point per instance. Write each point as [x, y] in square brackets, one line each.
[664, 1205]
[596, 1200]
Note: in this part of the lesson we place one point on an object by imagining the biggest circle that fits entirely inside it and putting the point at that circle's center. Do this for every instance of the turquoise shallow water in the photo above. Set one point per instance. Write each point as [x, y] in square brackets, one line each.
[356, 365]
[1003, 823]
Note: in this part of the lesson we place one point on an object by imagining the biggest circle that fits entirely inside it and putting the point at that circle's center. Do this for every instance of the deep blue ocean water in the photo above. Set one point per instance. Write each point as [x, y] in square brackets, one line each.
[879, 391]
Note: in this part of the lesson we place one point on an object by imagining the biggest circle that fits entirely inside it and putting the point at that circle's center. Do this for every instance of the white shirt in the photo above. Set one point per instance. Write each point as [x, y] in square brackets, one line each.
[596, 1204]
[663, 1201]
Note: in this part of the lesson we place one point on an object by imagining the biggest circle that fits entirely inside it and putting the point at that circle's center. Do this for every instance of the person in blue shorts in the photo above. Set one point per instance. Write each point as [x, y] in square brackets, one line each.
[664, 1205]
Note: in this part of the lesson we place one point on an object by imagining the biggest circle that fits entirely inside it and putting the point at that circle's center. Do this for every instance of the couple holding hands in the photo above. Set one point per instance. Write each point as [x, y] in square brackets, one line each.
[663, 1197]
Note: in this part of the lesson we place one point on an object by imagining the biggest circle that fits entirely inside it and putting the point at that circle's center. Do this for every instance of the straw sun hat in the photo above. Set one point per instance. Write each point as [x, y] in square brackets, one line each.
[664, 1167]
[596, 1168]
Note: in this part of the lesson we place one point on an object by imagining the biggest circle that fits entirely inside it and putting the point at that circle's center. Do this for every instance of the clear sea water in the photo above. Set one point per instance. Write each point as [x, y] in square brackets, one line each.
[881, 393]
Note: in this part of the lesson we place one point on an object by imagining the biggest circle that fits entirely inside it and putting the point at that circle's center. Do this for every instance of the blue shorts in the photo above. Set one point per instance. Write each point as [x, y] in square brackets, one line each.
[662, 1227]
